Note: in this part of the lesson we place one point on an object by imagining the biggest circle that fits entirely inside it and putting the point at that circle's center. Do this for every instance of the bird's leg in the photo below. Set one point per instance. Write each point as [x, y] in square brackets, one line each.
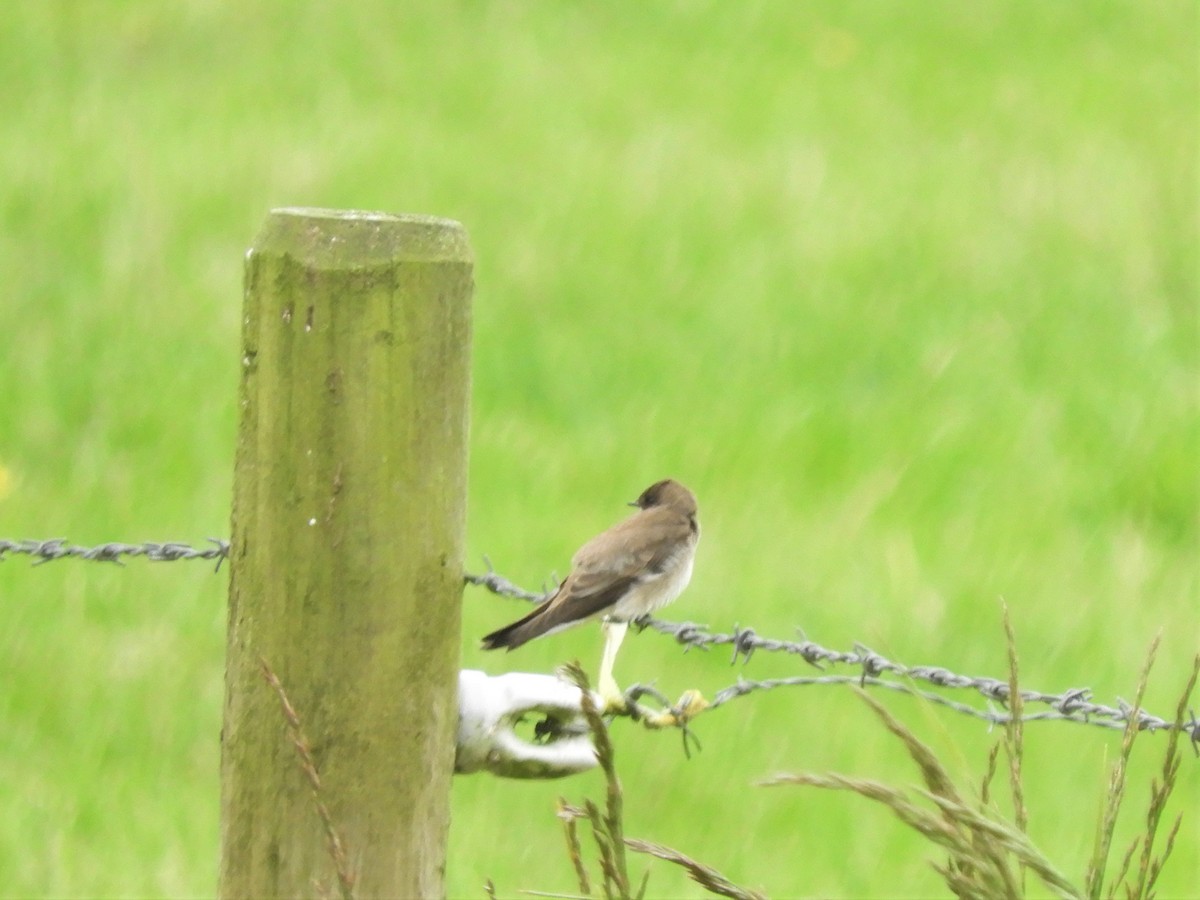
[614, 633]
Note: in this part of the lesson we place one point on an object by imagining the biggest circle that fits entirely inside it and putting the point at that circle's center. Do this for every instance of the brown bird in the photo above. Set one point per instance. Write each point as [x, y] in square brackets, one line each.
[634, 568]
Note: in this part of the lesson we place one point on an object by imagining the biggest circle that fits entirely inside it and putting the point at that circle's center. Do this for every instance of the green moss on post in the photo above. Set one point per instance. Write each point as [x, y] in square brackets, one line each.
[346, 560]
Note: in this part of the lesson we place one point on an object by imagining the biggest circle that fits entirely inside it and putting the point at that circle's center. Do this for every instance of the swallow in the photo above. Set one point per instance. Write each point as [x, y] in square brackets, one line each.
[631, 570]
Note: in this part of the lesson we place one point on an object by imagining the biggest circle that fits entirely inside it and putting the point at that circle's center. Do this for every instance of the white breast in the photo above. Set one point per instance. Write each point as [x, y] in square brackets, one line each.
[657, 591]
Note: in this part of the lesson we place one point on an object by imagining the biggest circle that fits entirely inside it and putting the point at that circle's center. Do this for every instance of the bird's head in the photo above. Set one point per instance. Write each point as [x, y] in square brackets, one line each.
[667, 493]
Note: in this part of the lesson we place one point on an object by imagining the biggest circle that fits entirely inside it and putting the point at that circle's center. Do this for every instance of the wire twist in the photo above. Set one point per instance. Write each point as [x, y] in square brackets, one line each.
[58, 548]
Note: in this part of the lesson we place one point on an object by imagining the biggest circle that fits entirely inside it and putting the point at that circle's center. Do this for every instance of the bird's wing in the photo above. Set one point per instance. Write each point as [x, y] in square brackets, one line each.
[603, 570]
[636, 550]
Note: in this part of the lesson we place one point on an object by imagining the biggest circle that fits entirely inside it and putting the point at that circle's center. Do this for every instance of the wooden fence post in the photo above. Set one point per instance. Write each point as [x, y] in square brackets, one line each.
[348, 515]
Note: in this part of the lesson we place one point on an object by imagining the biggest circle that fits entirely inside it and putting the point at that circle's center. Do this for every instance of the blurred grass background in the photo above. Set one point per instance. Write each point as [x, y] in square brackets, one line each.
[906, 292]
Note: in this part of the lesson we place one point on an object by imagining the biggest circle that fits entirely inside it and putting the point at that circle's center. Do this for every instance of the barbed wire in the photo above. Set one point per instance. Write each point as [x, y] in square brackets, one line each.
[1072, 705]
[58, 548]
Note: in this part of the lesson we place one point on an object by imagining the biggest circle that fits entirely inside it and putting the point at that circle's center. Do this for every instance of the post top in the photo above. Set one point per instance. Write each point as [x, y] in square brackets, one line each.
[350, 238]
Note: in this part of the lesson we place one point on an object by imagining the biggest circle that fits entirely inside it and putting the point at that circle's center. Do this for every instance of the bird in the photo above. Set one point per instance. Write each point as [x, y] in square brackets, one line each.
[634, 568]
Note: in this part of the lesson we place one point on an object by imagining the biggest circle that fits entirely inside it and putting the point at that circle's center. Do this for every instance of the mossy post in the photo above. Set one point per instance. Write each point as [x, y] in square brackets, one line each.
[346, 562]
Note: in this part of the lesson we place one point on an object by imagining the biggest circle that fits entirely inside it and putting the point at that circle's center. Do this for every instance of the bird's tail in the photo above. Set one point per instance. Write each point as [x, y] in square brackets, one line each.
[519, 632]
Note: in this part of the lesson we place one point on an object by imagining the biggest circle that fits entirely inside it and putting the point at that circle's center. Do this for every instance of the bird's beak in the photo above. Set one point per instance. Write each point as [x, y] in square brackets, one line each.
[631, 503]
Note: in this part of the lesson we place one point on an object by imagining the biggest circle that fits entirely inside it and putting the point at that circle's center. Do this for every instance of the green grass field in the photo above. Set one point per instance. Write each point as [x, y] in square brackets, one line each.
[907, 292]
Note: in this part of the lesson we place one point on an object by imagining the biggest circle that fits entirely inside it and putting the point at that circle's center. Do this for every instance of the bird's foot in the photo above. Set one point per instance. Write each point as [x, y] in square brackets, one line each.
[690, 705]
